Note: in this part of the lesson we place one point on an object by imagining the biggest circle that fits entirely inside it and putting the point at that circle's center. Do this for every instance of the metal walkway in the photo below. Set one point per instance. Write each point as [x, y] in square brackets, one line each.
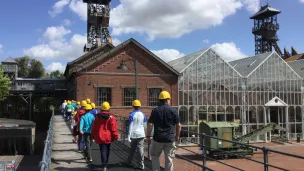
[66, 157]
[118, 156]
[64, 152]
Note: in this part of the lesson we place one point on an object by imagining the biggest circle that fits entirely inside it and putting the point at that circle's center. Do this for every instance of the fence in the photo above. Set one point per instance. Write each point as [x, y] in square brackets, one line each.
[205, 155]
[45, 164]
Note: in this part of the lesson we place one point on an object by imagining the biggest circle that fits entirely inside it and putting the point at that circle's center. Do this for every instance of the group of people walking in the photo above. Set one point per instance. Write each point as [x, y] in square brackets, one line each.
[100, 126]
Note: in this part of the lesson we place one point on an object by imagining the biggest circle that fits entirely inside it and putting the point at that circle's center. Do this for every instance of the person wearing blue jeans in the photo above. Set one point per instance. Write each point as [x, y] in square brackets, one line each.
[85, 130]
[104, 132]
[104, 153]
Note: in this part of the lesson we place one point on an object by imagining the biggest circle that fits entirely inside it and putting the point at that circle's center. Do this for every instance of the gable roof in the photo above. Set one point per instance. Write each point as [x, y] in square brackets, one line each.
[9, 60]
[294, 57]
[119, 47]
[180, 64]
[87, 55]
[245, 66]
[265, 11]
[276, 102]
[90, 53]
[298, 67]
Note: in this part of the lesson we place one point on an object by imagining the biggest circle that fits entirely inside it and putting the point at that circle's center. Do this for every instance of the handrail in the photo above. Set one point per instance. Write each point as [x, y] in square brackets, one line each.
[123, 127]
[45, 164]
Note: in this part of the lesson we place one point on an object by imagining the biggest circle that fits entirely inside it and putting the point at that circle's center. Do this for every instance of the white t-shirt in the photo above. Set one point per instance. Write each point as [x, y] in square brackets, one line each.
[138, 124]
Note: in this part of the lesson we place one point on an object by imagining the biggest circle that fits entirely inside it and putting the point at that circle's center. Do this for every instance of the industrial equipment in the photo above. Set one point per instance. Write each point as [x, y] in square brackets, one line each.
[17, 137]
[225, 130]
[97, 24]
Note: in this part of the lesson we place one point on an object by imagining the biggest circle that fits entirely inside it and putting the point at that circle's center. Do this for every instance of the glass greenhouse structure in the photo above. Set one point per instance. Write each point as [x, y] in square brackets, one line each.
[252, 91]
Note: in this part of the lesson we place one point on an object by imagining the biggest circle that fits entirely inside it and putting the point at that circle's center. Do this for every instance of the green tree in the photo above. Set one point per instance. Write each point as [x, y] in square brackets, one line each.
[56, 74]
[5, 86]
[36, 69]
[30, 68]
[23, 66]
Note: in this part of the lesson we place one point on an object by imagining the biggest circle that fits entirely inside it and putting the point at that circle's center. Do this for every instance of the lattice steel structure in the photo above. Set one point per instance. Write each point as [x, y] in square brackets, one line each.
[253, 91]
[97, 24]
[265, 30]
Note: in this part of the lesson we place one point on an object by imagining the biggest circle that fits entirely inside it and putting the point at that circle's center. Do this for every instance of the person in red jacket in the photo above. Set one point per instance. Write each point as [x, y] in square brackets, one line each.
[77, 119]
[104, 132]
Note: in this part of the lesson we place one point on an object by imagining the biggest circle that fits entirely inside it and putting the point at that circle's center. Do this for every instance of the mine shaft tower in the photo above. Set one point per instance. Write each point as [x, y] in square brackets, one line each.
[97, 24]
[265, 30]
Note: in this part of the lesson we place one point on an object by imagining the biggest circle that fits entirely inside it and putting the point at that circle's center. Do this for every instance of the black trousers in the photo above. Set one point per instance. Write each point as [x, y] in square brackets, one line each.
[88, 143]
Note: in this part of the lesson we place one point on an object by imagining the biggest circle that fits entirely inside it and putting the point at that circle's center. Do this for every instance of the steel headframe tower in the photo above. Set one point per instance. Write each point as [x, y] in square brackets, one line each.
[265, 30]
[97, 24]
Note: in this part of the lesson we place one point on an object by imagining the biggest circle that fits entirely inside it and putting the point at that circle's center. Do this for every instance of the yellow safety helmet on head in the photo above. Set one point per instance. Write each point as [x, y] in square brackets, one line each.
[88, 100]
[136, 103]
[93, 105]
[105, 106]
[88, 107]
[83, 103]
[69, 102]
[164, 95]
[65, 101]
[78, 103]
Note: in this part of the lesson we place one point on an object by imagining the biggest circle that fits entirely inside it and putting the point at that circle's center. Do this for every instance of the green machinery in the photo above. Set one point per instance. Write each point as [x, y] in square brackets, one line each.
[225, 130]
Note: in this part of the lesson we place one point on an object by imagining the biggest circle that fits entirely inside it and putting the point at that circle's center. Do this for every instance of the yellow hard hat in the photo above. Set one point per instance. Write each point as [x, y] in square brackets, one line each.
[69, 102]
[88, 100]
[83, 103]
[164, 95]
[105, 106]
[136, 103]
[65, 101]
[78, 103]
[93, 105]
[88, 107]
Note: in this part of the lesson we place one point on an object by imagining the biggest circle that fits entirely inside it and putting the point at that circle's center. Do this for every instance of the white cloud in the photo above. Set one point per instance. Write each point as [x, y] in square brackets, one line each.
[168, 54]
[67, 22]
[55, 66]
[58, 7]
[206, 41]
[158, 18]
[228, 51]
[56, 46]
[252, 6]
[116, 41]
[302, 1]
[80, 8]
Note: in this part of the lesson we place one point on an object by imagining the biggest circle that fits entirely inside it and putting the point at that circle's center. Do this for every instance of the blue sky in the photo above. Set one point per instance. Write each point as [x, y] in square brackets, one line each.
[54, 31]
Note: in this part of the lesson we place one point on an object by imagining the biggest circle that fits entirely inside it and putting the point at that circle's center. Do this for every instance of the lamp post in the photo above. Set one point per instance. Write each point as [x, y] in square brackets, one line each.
[123, 66]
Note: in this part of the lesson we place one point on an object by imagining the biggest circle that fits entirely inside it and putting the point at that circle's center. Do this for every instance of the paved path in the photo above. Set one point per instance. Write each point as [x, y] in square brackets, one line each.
[65, 155]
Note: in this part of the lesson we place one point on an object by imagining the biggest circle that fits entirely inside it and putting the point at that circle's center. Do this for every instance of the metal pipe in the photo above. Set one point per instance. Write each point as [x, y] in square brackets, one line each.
[204, 151]
[136, 78]
[265, 151]
[30, 107]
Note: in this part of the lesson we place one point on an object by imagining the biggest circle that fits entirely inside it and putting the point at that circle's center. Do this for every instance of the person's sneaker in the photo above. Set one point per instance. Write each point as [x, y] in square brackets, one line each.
[104, 169]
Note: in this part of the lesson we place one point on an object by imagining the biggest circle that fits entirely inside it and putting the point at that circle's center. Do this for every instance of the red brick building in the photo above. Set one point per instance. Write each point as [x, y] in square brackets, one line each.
[95, 75]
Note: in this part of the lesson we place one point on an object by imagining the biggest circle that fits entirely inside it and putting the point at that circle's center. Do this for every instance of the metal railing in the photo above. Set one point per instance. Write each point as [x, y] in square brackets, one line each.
[45, 164]
[123, 127]
[204, 152]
